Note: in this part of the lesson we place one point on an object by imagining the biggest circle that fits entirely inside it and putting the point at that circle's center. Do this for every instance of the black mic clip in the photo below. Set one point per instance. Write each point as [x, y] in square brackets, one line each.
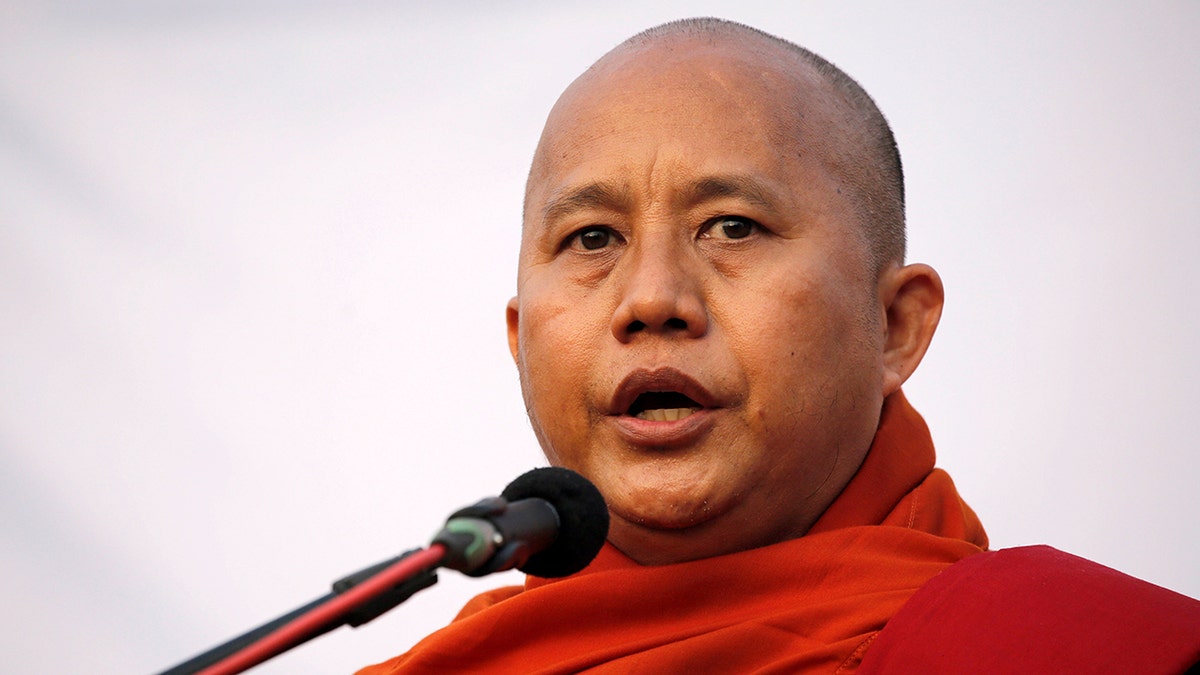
[494, 534]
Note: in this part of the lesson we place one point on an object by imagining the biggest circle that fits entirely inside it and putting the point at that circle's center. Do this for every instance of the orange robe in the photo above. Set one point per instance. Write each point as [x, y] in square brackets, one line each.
[811, 604]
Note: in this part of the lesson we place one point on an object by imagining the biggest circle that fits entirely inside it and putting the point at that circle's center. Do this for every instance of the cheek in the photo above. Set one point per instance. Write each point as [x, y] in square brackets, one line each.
[556, 316]
[807, 351]
[554, 335]
[782, 323]
[553, 356]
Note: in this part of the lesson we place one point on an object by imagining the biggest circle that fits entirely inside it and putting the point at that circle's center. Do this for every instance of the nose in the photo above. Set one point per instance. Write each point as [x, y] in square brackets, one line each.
[661, 293]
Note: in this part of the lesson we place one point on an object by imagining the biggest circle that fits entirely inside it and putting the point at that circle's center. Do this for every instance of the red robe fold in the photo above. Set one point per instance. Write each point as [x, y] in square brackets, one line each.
[811, 604]
[1038, 610]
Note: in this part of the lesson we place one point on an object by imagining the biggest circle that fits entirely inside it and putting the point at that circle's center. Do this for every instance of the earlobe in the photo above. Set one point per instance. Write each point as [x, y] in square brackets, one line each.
[512, 316]
[912, 297]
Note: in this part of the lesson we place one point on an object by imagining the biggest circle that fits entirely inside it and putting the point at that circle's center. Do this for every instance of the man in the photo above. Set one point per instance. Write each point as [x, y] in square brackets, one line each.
[713, 322]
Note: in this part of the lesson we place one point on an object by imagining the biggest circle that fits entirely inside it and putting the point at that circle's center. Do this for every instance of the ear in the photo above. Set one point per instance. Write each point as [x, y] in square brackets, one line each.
[514, 340]
[912, 298]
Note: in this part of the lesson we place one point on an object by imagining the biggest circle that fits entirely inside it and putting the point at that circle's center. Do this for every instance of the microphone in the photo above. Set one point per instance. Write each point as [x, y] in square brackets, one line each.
[549, 522]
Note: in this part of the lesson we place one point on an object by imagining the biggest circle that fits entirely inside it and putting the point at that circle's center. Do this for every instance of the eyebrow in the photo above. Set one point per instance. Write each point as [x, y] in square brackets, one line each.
[597, 195]
[613, 197]
[737, 186]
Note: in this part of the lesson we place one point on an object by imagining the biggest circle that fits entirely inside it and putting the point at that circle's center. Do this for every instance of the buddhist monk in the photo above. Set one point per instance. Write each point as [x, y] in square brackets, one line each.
[713, 322]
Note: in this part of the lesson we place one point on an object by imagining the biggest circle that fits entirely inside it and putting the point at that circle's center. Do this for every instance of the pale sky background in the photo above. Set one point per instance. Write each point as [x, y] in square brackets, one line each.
[254, 258]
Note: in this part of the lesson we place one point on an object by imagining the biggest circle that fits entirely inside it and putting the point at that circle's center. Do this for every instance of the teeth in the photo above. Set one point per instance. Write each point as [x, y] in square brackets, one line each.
[665, 414]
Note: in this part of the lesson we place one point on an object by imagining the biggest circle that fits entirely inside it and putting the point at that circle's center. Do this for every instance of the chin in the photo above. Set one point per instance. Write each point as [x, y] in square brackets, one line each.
[650, 545]
[660, 508]
[669, 490]
[664, 518]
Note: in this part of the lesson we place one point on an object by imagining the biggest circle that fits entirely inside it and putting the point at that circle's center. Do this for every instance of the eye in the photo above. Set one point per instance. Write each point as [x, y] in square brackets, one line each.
[730, 227]
[592, 238]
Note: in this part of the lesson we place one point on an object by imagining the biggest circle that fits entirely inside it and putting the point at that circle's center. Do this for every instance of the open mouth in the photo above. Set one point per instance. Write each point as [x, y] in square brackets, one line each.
[662, 406]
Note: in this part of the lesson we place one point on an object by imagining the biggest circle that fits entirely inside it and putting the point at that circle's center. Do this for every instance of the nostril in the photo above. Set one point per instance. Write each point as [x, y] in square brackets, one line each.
[673, 324]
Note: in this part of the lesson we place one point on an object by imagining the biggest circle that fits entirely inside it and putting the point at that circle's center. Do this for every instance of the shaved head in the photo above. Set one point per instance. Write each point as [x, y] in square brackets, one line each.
[860, 146]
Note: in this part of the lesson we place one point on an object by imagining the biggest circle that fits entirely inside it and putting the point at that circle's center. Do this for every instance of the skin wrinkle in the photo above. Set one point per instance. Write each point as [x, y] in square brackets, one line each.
[711, 188]
[829, 476]
[596, 195]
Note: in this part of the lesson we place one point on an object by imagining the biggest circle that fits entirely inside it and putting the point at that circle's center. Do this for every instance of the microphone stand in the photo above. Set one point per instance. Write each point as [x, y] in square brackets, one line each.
[367, 602]
[494, 534]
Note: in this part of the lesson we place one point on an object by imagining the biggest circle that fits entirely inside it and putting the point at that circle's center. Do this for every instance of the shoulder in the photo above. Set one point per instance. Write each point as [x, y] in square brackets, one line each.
[1037, 609]
[487, 599]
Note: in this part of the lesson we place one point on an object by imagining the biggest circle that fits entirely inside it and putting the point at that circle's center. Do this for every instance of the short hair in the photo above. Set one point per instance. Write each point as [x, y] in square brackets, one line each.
[879, 185]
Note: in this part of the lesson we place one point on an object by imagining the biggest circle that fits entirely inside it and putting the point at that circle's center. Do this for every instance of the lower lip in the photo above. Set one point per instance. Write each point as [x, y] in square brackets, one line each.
[671, 434]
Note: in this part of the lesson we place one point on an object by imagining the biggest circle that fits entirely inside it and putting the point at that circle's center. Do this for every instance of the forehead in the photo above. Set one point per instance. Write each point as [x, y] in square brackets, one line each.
[698, 102]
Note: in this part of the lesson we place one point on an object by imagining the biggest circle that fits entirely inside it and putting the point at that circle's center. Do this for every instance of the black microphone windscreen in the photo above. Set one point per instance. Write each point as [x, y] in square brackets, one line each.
[582, 514]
